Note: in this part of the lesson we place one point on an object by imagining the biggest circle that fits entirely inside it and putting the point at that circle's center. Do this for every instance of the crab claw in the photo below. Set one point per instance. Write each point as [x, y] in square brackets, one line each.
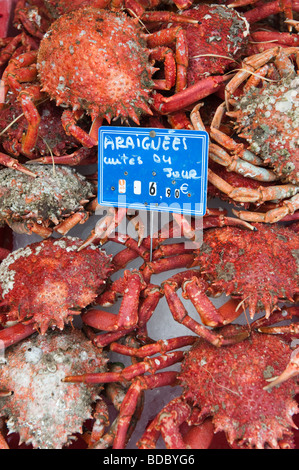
[290, 371]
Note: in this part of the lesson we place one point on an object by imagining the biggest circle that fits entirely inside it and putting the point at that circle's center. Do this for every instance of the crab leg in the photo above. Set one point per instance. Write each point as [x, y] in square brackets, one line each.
[284, 39]
[13, 334]
[149, 365]
[246, 165]
[169, 250]
[272, 216]
[293, 23]
[10, 162]
[167, 16]
[130, 402]
[116, 393]
[26, 61]
[167, 36]
[34, 227]
[260, 195]
[69, 119]
[101, 416]
[160, 346]
[264, 325]
[105, 339]
[106, 321]
[128, 312]
[105, 226]
[32, 115]
[194, 289]
[250, 65]
[292, 370]
[78, 218]
[122, 258]
[180, 315]
[167, 422]
[148, 304]
[173, 262]
[82, 156]
[37, 24]
[140, 384]
[239, 165]
[10, 46]
[265, 10]
[129, 242]
[190, 95]
[14, 77]
[233, 163]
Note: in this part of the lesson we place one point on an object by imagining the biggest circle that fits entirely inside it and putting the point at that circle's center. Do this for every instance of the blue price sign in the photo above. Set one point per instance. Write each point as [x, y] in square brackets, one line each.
[162, 170]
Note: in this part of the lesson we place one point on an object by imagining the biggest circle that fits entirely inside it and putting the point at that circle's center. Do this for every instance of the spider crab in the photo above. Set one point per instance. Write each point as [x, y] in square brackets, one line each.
[227, 384]
[46, 199]
[43, 411]
[41, 285]
[265, 115]
[256, 265]
[104, 99]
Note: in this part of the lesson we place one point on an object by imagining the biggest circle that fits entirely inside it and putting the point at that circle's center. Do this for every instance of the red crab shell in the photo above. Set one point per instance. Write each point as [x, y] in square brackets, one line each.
[43, 410]
[260, 267]
[216, 42]
[51, 135]
[121, 88]
[48, 282]
[227, 384]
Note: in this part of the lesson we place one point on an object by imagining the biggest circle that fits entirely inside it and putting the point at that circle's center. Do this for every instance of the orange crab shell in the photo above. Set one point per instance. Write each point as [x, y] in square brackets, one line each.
[97, 61]
[48, 282]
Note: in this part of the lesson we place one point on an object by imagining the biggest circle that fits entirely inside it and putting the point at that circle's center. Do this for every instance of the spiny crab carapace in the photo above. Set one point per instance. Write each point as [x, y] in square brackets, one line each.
[33, 399]
[46, 283]
[227, 384]
[258, 267]
[49, 198]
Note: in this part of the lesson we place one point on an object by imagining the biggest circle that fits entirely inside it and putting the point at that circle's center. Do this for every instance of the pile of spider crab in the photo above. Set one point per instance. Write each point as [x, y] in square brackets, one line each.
[93, 308]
